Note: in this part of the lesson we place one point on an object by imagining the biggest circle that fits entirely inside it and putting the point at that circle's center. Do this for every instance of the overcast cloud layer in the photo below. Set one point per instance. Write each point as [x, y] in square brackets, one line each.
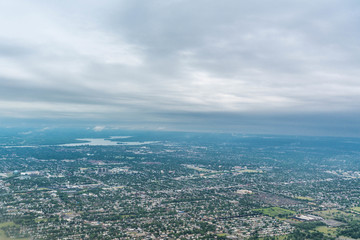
[250, 66]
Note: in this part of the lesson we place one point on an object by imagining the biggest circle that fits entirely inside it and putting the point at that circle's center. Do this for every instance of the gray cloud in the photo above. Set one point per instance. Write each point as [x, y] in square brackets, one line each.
[182, 64]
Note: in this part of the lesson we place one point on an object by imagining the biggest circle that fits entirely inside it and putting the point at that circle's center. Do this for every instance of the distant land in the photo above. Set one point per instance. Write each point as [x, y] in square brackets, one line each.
[120, 184]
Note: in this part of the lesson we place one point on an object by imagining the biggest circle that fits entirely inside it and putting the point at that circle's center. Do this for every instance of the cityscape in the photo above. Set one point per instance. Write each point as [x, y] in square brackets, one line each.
[153, 185]
[179, 120]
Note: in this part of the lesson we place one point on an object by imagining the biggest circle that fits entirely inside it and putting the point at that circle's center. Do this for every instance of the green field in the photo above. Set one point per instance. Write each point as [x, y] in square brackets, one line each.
[334, 213]
[3, 235]
[356, 209]
[275, 211]
[331, 232]
[6, 224]
[280, 237]
[305, 198]
[222, 234]
[37, 220]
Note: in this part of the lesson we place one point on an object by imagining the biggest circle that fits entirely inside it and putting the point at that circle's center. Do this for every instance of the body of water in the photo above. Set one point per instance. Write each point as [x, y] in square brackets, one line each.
[106, 142]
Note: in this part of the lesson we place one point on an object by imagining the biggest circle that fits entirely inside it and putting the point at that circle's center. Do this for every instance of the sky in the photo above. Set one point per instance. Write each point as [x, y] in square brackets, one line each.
[260, 66]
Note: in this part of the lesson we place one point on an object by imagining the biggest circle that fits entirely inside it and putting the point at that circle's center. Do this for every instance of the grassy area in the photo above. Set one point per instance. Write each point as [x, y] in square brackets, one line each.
[337, 214]
[329, 213]
[275, 211]
[37, 220]
[331, 232]
[305, 198]
[3, 235]
[356, 209]
[222, 234]
[280, 237]
[7, 224]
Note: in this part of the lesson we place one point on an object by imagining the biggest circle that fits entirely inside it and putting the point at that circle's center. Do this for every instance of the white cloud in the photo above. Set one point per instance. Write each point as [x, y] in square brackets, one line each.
[144, 61]
[98, 128]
